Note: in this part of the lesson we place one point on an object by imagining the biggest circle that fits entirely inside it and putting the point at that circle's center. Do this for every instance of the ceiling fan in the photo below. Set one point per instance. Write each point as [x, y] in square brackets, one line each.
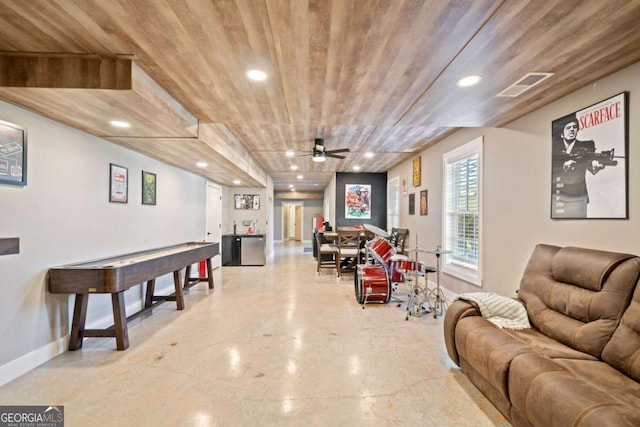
[320, 154]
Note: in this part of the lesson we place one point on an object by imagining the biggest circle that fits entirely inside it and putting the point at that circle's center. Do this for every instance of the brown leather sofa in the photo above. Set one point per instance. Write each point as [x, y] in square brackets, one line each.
[579, 364]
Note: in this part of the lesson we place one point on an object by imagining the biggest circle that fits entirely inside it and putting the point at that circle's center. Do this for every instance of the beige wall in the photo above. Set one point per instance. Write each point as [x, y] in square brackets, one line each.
[517, 174]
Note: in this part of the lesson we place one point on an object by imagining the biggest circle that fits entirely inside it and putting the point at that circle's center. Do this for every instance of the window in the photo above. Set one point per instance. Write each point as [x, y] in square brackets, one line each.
[462, 208]
[393, 203]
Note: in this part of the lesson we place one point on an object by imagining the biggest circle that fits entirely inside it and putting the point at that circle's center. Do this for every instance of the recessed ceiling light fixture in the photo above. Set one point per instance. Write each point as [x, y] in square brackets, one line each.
[300, 177]
[293, 189]
[294, 167]
[119, 124]
[369, 154]
[290, 185]
[289, 153]
[468, 81]
[236, 181]
[201, 164]
[356, 168]
[257, 75]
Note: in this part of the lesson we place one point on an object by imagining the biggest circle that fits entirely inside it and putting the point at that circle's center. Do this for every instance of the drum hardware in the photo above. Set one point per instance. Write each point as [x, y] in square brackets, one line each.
[440, 302]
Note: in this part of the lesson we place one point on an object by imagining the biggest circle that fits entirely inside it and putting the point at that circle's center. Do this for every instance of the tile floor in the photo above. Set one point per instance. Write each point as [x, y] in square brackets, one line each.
[269, 346]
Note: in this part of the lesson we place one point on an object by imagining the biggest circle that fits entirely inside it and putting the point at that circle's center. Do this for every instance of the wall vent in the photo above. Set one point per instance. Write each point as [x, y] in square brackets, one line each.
[524, 84]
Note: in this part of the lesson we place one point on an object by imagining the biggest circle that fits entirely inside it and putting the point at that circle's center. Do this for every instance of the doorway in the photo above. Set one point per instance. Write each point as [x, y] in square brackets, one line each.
[292, 214]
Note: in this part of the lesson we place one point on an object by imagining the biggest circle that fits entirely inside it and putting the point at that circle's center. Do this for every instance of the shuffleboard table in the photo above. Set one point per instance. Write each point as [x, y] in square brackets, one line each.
[114, 275]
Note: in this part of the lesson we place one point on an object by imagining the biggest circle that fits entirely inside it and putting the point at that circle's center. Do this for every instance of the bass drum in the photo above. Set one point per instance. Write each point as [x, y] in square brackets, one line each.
[372, 284]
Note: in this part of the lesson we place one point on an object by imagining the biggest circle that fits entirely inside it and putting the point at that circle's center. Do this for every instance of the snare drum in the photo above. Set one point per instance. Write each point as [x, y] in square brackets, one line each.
[381, 249]
[372, 284]
[395, 274]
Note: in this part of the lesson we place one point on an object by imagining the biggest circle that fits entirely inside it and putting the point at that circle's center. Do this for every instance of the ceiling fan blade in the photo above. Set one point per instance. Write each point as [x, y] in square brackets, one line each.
[335, 156]
[339, 150]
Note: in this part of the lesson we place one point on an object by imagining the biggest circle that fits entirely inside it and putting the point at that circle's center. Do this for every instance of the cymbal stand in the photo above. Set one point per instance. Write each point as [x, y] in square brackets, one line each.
[415, 305]
[439, 302]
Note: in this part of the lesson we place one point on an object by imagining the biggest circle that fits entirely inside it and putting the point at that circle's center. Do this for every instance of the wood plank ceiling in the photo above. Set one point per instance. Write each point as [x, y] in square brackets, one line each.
[373, 76]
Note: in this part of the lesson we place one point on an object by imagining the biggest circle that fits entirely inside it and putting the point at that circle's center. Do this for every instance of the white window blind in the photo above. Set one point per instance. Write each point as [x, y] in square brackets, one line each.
[393, 203]
[462, 213]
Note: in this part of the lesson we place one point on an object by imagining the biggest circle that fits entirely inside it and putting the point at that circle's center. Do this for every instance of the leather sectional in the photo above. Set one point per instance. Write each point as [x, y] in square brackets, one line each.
[579, 364]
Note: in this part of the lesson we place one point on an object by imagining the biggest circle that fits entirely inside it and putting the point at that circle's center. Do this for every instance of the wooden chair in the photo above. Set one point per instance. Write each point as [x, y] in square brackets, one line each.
[328, 254]
[349, 249]
[398, 239]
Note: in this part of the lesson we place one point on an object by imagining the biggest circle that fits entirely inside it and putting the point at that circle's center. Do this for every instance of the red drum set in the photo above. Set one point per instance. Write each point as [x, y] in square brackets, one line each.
[383, 268]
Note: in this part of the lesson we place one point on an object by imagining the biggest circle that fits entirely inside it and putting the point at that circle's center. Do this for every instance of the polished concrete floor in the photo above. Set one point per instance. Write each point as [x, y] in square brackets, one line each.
[270, 346]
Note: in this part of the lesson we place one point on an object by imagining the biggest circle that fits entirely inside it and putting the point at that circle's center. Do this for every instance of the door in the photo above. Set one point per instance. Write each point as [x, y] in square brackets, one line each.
[214, 219]
[298, 224]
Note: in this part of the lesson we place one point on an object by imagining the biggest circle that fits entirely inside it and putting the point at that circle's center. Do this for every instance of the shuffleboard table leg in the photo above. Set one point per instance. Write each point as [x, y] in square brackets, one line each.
[179, 294]
[77, 325]
[120, 321]
[187, 277]
[209, 273]
[151, 288]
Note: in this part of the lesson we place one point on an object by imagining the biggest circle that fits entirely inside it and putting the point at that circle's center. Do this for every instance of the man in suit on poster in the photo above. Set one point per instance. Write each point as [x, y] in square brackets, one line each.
[571, 160]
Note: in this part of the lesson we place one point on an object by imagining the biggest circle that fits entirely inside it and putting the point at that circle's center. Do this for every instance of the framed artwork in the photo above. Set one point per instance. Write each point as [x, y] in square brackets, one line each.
[424, 202]
[589, 164]
[13, 154]
[412, 204]
[417, 171]
[118, 184]
[246, 201]
[357, 201]
[149, 181]
[404, 186]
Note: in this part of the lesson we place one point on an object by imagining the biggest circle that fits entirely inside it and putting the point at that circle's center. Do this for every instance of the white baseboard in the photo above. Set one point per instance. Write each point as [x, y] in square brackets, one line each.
[23, 364]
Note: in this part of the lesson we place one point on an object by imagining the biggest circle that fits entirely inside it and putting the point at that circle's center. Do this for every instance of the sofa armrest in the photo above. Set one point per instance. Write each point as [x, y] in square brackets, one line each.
[456, 311]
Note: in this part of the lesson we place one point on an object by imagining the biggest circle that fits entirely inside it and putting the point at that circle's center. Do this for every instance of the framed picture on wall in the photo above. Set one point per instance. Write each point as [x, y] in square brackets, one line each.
[412, 204]
[246, 201]
[424, 202]
[417, 171]
[13, 154]
[589, 172]
[357, 201]
[148, 188]
[118, 184]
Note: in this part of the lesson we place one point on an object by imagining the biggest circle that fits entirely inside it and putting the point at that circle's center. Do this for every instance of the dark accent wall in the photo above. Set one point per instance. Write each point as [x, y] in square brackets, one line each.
[378, 182]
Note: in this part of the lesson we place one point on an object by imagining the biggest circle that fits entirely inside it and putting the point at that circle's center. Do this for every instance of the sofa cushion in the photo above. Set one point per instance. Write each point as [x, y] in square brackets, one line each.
[489, 350]
[623, 350]
[585, 268]
[564, 392]
[566, 307]
[547, 346]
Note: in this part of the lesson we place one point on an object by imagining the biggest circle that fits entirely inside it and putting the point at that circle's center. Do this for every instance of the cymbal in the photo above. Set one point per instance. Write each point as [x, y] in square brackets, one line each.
[376, 230]
[417, 250]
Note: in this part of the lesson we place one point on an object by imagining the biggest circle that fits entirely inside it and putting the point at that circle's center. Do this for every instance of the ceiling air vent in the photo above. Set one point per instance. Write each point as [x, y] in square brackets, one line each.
[524, 84]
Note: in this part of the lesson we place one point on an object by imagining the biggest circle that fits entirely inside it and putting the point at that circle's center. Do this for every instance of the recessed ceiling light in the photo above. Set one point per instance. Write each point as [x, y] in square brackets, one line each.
[356, 168]
[369, 155]
[119, 124]
[257, 75]
[201, 164]
[236, 181]
[289, 153]
[468, 81]
[294, 167]
[300, 177]
[293, 189]
[290, 185]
